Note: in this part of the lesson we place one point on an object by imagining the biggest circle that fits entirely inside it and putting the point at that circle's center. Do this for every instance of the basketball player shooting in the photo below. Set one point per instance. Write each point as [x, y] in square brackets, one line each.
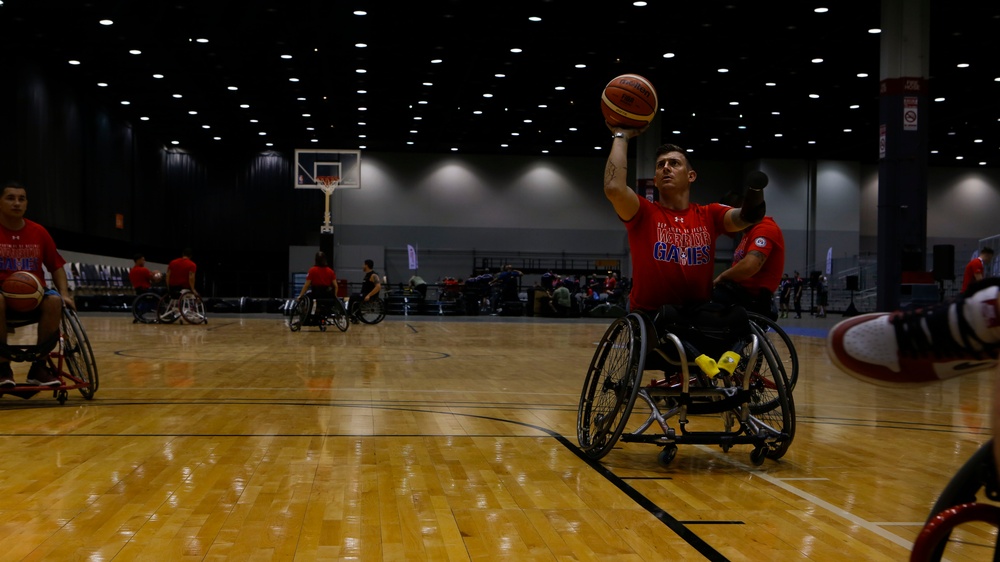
[672, 240]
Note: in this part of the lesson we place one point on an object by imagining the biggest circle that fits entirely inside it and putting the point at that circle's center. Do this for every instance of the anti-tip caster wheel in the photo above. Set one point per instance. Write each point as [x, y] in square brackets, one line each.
[61, 396]
[758, 455]
[667, 455]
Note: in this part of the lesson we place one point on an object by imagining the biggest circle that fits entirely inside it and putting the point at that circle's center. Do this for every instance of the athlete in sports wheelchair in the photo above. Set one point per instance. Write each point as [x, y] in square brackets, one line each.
[68, 357]
[321, 312]
[709, 360]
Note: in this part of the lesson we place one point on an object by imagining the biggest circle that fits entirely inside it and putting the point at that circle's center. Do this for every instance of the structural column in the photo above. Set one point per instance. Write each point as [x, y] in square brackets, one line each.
[903, 147]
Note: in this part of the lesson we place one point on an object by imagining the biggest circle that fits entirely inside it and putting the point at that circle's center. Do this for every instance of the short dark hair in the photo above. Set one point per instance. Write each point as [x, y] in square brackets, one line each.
[665, 148]
[138, 256]
[986, 250]
[12, 184]
[320, 259]
[370, 263]
[187, 253]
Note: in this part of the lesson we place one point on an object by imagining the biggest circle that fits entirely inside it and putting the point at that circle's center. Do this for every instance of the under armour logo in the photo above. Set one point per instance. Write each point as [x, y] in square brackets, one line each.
[15, 237]
[679, 219]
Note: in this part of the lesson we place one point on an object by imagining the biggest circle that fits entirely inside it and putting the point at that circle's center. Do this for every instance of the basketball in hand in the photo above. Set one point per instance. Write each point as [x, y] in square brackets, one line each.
[629, 101]
[22, 291]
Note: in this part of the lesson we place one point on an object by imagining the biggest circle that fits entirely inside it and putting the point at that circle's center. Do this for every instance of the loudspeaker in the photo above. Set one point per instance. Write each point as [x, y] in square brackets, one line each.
[852, 283]
[944, 262]
[814, 279]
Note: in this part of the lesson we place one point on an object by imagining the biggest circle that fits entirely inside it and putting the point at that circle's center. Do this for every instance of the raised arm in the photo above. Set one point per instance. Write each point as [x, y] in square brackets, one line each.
[622, 197]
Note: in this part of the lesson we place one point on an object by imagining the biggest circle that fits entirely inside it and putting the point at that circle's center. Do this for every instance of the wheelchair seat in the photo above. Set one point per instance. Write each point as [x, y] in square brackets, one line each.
[710, 329]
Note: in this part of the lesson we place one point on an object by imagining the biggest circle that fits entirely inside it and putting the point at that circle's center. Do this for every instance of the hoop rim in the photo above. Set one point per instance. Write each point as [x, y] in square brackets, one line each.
[328, 183]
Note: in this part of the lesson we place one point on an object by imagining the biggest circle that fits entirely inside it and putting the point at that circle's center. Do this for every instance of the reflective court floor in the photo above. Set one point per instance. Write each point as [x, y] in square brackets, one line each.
[427, 438]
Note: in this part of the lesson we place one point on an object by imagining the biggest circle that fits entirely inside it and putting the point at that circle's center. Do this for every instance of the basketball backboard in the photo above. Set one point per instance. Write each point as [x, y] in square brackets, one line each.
[344, 164]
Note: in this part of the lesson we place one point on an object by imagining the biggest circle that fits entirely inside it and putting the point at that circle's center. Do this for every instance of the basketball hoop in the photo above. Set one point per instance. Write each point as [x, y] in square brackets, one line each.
[327, 184]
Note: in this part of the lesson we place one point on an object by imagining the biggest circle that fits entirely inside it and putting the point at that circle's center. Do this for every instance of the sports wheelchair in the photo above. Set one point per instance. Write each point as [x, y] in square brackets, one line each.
[714, 361]
[72, 360]
[152, 308]
[957, 505]
[309, 311]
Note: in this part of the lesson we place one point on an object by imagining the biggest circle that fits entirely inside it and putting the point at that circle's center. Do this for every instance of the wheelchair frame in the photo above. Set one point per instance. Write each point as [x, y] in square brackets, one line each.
[72, 361]
[153, 308]
[306, 313]
[750, 394]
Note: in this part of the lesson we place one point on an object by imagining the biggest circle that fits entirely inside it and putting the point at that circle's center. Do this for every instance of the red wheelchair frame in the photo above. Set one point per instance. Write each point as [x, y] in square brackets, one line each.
[72, 361]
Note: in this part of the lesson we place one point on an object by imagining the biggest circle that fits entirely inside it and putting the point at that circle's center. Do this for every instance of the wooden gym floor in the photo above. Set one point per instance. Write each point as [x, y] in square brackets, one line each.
[425, 438]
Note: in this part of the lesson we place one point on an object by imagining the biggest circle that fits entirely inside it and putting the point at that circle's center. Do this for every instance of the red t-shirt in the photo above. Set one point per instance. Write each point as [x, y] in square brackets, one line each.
[179, 270]
[673, 253]
[971, 269]
[140, 277]
[321, 276]
[28, 249]
[764, 237]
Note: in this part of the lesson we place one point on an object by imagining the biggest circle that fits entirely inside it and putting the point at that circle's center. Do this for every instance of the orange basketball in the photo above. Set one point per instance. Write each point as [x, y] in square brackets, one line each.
[22, 291]
[629, 101]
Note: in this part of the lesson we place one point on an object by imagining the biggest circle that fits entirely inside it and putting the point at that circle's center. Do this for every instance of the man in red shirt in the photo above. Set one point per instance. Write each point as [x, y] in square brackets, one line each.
[758, 264]
[27, 246]
[975, 270]
[672, 241]
[140, 277]
[180, 274]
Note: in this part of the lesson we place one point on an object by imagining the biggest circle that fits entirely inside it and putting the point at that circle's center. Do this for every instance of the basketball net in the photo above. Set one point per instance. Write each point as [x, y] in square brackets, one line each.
[327, 184]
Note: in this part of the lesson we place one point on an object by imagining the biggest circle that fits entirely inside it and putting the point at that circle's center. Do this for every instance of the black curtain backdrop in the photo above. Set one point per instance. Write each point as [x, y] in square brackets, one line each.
[100, 187]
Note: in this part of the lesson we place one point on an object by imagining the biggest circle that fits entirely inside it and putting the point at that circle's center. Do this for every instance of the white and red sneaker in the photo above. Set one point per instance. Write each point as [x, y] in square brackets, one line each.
[922, 345]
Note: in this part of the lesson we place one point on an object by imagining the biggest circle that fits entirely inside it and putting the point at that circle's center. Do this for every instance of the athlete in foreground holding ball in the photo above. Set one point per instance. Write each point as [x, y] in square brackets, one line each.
[672, 241]
[26, 246]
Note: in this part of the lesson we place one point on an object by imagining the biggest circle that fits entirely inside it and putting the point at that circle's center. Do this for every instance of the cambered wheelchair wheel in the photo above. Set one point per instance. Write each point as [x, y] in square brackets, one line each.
[781, 344]
[338, 314]
[299, 314]
[166, 310]
[77, 354]
[192, 309]
[372, 311]
[611, 386]
[770, 402]
[144, 308]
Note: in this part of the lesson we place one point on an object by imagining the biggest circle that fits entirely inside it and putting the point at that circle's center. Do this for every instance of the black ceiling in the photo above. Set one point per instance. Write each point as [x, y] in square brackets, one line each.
[543, 104]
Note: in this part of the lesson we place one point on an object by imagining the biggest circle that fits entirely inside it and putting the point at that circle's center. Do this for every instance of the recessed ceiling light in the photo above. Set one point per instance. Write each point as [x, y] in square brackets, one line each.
[135, 52]
[102, 22]
[534, 18]
[157, 76]
[938, 99]
[436, 61]
[175, 142]
[206, 126]
[814, 96]
[516, 50]
[821, 10]
[307, 114]
[874, 30]
[144, 118]
[361, 45]
[293, 79]
[963, 65]
[360, 13]
[244, 106]
[723, 70]
[102, 84]
[579, 65]
[126, 102]
[286, 56]
[862, 75]
[817, 61]
[178, 96]
[360, 71]
[192, 113]
[668, 55]
[201, 40]
[74, 62]
[232, 88]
